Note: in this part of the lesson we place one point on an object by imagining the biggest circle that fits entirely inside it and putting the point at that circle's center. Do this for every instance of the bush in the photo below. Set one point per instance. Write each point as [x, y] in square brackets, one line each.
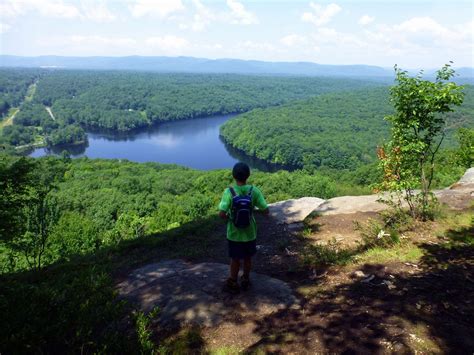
[324, 255]
[375, 234]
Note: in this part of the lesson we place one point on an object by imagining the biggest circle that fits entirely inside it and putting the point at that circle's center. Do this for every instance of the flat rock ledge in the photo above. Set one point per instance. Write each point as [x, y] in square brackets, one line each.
[292, 212]
[192, 293]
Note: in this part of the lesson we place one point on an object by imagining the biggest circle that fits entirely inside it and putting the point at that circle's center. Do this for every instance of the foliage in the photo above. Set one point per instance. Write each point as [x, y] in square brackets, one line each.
[88, 204]
[125, 100]
[144, 333]
[337, 133]
[14, 85]
[408, 160]
[15, 180]
[331, 253]
[70, 308]
[465, 153]
[375, 234]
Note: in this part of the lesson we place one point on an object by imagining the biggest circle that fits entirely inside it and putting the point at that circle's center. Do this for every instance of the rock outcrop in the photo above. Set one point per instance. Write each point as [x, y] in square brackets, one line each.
[192, 293]
[457, 196]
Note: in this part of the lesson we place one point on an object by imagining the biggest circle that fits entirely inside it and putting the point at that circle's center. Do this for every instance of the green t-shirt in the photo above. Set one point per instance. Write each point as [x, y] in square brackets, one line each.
[242, 234]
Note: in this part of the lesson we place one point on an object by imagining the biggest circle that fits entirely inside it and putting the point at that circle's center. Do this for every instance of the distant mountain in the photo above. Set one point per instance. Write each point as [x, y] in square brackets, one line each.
[195, 65]
[465, 72]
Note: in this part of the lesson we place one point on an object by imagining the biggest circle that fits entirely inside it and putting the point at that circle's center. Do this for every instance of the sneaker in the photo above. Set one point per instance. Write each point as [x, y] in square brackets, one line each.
[231, 286]
[245, 283]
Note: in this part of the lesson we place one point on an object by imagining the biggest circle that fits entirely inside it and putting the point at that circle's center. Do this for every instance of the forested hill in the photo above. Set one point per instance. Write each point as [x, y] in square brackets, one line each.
[195, 65]
[337, 130]
[127, 100]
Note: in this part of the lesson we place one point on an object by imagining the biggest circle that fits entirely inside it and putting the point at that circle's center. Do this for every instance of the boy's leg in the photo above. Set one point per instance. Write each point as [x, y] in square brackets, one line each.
[245, 280]
[231, 284]
[247, 266]
[234, 268]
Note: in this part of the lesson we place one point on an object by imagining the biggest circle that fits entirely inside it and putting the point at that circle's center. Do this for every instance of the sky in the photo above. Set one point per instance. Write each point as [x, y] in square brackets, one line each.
[410, 33]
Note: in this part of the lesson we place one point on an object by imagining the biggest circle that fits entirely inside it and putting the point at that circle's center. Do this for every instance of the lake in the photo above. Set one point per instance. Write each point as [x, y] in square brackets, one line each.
[193, 143]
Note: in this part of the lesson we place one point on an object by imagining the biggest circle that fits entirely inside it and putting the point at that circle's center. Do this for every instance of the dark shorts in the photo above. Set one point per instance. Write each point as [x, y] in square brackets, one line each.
[242, 250]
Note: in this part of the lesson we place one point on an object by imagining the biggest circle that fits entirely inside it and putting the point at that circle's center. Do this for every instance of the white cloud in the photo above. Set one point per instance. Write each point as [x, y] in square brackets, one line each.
[321, 14]
[168, 42]
[365, 20]
[160, 8]
[293, 40]
[48, 8]
[202, 18]
[330, 37]
[91, 9]
[4, 27]
[97, 11]
[239, 15]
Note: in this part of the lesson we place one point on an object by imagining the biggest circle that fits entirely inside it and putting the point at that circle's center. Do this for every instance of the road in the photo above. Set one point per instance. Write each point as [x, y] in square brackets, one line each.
[50, 112]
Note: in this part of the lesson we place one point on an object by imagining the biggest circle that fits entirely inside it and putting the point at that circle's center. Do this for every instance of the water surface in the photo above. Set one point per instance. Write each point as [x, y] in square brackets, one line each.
[192, 143]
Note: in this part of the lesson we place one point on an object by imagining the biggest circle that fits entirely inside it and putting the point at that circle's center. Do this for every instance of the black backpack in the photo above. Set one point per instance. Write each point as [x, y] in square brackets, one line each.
[241, 208]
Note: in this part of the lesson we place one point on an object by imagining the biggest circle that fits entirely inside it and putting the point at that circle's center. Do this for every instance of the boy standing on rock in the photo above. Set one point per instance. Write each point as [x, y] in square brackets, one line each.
[236, 207]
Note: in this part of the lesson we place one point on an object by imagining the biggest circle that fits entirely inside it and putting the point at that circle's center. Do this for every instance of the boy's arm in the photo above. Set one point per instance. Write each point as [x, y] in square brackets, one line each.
[224, 206]
[261, 203]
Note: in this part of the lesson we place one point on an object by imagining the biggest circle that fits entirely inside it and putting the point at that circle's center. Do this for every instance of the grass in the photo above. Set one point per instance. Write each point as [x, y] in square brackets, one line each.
[9, 120]
[404, 252]
[226, 350]
[332, 253]
[30, 92]
[187, 341]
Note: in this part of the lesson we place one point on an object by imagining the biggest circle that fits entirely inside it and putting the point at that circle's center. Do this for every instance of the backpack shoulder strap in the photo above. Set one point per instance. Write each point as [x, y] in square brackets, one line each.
[232, 191]
[250, 191]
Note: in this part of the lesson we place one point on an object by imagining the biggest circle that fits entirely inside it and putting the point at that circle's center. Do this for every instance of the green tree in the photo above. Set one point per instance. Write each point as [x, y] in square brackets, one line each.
[15, 181]
[466, 147]
[408, 160]
[41, 214]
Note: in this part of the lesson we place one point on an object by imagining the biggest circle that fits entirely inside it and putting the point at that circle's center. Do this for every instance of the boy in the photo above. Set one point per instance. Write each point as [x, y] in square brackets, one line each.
[241, 238]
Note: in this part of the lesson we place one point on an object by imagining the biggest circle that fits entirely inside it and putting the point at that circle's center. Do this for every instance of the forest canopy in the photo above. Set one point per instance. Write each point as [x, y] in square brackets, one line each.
[337, 130]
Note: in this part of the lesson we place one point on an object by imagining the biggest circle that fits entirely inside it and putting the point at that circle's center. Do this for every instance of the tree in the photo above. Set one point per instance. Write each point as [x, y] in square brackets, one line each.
[408, 160]
[41, 214]
[466, 147]
[28, 210]
[15, 182]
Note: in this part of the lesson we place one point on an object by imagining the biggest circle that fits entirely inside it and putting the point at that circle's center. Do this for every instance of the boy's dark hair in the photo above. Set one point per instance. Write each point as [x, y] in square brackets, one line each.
[241, 172]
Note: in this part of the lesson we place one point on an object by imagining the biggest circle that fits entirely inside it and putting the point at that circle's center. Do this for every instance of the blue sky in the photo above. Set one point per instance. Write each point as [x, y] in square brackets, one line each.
[413, 34]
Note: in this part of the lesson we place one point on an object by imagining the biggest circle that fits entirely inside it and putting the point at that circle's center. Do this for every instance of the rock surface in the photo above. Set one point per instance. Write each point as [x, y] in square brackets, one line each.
[351, 204]
[294, 210]
[192, 293]
[466, 181]
[461, 194]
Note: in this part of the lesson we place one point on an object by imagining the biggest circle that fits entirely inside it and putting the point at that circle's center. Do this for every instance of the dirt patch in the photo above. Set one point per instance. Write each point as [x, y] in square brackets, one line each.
[339, 227]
